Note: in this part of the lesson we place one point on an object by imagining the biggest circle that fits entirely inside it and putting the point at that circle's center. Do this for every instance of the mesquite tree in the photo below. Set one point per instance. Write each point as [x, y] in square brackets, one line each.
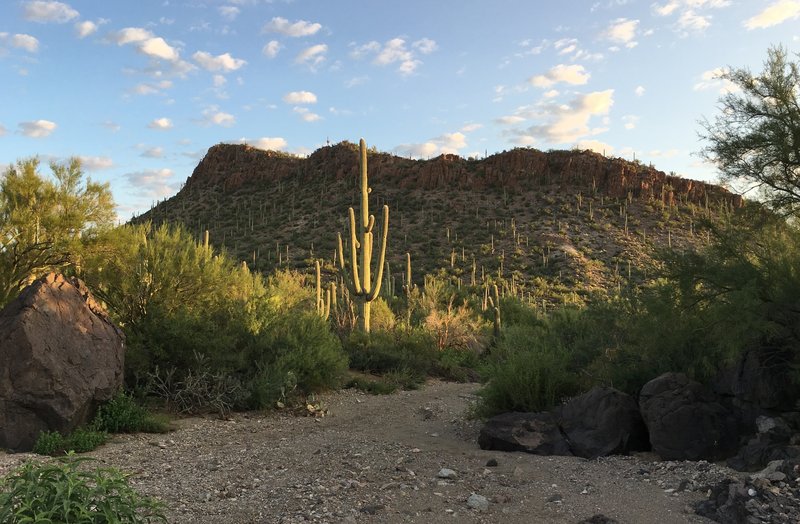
[755, 140]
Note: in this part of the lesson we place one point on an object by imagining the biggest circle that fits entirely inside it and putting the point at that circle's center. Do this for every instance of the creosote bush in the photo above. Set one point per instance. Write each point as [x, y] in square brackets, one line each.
[61, 491]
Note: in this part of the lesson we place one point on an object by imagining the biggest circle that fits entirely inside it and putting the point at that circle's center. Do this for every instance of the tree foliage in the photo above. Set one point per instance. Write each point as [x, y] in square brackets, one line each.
[44, 222]
[755, 139]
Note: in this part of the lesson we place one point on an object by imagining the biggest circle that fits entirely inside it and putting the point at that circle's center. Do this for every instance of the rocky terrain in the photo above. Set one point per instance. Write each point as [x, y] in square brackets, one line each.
[407, 457]
[560, 224]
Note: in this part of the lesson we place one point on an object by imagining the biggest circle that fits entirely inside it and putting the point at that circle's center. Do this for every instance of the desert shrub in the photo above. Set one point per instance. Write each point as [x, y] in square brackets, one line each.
[374, 386]
[200, 390]
[530, 371]
[122, 414]
[60, 491]
[49, 443]
[457, 327]
[80, 441]
[411, 352]
[381, 316]
[302, 342]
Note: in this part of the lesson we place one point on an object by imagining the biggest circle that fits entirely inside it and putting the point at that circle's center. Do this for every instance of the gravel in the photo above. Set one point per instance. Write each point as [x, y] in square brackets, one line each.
[381, 459]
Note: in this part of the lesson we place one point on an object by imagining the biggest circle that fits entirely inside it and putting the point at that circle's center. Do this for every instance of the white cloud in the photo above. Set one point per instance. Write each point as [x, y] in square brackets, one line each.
[229, 12]
[85, 28]
[266, 143]
[395, 51]
[213, 116]
[96, 163]
[312, 56]
[630, 121]
[296, 29]
[564, 123]
[151, 88]
[448, 143]
[622, 31]
[424, 150]
[711, 80]
[509, 120]
[37, 128]
[569, 74]
[271, 49]
[300, 97]
[356, 81]
[129, 35]
[44, 11]
[153, 152]
[595, 145]
[151, 182]
[146, 43]
[3, 130]
[111, 126]
[639, 90]
[692, 15]
[219, 80]
[425, 46]
[158, 48]
[224, 62]
[551, 93]
[774, 14]
[469, 128]
[160, 123]
[306, 114]
[26, 42]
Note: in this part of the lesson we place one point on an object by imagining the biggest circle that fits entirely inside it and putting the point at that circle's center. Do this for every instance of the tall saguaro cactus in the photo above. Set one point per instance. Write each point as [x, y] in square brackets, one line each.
[359, 281]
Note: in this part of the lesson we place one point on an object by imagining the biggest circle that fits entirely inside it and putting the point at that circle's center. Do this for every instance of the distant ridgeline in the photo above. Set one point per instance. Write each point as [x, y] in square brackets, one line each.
[560, 224]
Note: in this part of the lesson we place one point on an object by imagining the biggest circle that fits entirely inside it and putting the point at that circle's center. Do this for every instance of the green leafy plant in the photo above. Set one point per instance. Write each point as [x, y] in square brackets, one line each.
[80, 441]
[61, 492]
[122, 414]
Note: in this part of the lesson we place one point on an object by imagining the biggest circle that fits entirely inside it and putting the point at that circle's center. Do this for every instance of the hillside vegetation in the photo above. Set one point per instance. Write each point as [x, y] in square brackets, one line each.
[555, 226]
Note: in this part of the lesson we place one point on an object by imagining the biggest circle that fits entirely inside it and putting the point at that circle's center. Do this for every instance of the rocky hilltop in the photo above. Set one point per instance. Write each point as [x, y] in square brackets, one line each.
[232, 166]
[560, 225]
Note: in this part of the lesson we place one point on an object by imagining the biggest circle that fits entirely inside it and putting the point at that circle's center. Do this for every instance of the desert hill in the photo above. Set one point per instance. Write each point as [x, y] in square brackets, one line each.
[559, 225]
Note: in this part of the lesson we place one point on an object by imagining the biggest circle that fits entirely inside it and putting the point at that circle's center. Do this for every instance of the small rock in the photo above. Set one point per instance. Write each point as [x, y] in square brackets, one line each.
[478, 502]
[492, 463]
[555, 497]
[446, 473]
[372, 509]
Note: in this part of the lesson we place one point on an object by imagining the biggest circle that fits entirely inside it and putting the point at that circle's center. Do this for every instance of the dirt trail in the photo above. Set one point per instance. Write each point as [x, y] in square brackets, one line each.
[376, 459]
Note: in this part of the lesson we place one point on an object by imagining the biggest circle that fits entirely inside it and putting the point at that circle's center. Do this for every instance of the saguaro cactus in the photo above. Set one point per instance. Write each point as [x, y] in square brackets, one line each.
[359, 281]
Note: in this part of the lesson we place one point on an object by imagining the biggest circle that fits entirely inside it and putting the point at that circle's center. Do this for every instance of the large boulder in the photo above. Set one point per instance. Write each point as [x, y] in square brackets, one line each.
[60, 356]
[603, 421]
[535, 433]
[686, 421]
[759, 383]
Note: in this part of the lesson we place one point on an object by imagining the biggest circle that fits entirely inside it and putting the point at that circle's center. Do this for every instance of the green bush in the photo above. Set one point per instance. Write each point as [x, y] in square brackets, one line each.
[301, 342]
[59, 492]
[80, 441]
[410, 352]
[122, 414]
[530, 372]
[49, 443]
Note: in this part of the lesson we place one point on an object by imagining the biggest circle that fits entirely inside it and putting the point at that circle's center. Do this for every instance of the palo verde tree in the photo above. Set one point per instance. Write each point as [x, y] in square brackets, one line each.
[43, 221]
[755, 140]
[359, 281]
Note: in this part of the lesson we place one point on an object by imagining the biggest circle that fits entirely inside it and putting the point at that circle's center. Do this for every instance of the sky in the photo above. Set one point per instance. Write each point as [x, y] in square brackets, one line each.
[139, 90]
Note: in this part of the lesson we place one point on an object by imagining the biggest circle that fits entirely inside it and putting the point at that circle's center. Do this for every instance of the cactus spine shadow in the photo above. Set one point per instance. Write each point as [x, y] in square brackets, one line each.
[359, 281]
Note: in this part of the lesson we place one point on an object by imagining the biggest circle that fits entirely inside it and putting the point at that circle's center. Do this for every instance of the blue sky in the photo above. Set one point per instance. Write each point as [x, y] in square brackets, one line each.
[141, 89]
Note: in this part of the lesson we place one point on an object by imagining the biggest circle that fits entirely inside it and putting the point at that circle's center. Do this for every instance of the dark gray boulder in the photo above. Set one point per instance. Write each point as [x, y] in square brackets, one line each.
[685, 420]
[60, 356]
[535, 433]
[603, 421]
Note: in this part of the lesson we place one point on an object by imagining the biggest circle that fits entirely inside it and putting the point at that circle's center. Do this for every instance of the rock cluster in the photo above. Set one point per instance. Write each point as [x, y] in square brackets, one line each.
[60, 356]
